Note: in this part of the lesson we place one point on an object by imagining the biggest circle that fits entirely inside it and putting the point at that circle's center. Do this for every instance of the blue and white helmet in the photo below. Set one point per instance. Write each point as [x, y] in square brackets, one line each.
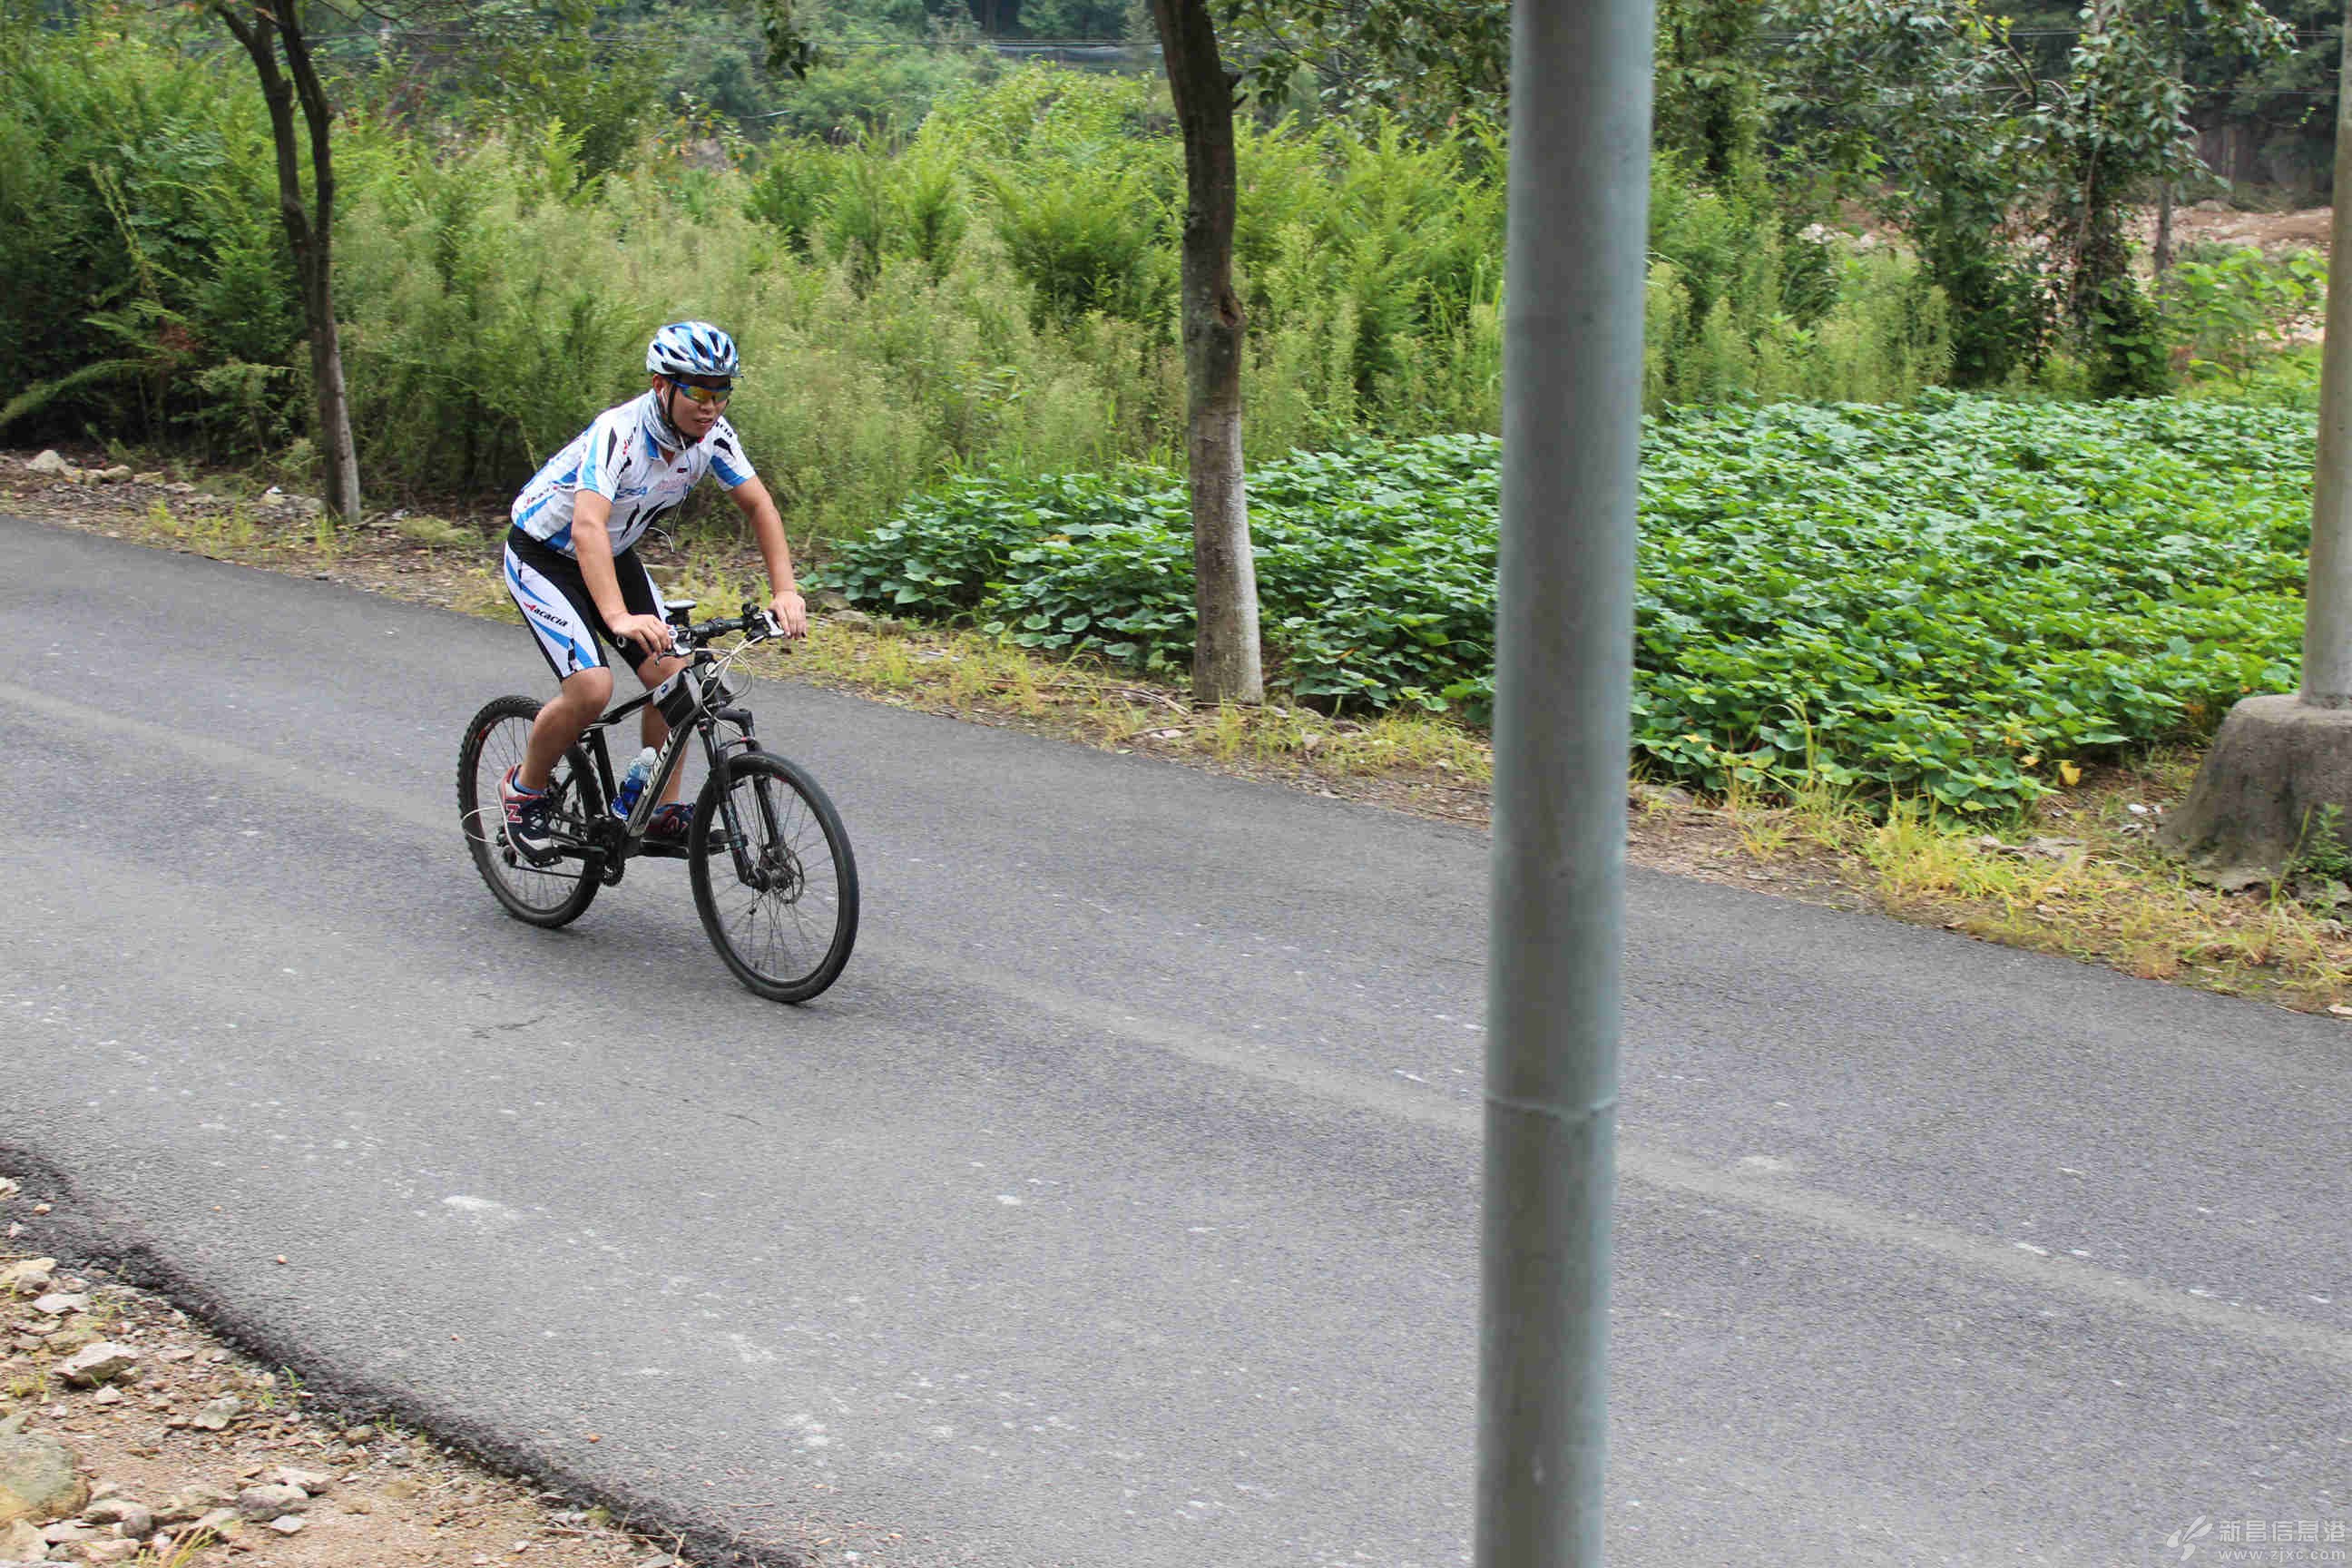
[692, 348]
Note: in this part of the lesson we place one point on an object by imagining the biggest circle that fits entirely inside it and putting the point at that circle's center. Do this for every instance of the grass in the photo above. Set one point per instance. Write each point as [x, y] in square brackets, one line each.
[2077, 874]
[2080, 874]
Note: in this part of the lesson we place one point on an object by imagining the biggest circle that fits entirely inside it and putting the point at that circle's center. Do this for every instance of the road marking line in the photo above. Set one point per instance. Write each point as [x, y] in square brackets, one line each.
[1681, 1175]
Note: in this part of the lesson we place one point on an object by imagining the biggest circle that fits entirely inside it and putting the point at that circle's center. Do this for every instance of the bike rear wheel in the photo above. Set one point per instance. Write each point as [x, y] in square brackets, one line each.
[549, 895]
[784, 915]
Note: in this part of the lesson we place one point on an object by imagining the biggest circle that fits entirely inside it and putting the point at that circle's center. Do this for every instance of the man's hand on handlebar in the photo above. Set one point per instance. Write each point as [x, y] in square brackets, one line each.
[648, 632]
[790, 611]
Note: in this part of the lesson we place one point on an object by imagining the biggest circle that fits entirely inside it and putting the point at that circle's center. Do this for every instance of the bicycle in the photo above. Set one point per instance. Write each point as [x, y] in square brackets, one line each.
[763, 835]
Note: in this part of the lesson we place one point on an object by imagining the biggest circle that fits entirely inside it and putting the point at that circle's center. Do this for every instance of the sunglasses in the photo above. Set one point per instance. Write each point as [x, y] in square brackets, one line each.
[703, 391]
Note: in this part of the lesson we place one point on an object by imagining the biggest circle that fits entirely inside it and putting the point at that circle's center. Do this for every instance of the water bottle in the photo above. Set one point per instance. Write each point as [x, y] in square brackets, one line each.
[633, 783]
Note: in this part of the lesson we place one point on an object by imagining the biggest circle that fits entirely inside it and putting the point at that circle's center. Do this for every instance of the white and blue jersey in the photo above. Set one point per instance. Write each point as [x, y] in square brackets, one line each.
[622, 457]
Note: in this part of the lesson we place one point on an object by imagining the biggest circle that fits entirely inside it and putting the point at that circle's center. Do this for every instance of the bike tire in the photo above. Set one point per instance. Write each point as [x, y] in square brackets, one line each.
[546, 896]
[811, 920]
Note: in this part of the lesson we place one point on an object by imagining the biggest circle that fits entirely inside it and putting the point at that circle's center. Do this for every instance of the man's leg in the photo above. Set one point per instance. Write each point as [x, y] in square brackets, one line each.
[651, 725]
[577, 703]
[555, 605]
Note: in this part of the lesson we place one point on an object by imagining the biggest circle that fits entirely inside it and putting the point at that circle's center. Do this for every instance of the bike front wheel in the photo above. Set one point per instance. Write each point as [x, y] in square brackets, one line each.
[773, 878]
[551, 894]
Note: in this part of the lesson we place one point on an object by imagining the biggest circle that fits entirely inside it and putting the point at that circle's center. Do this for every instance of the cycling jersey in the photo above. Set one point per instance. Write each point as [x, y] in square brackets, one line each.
[620, 457]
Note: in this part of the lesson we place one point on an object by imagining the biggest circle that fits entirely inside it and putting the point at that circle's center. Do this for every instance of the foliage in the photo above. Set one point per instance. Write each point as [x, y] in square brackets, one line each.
[1920, 104]
[1429, 62]
[148, 279]
[994, 287]
[1934, 99]
[1952, 600]
[2226, 305]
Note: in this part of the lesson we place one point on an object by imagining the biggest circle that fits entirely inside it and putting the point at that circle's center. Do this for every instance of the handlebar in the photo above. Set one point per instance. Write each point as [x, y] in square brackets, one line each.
[755, 623]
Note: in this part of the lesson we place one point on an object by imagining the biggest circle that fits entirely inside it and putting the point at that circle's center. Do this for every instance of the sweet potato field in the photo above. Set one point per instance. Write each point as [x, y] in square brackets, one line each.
[1966, 597]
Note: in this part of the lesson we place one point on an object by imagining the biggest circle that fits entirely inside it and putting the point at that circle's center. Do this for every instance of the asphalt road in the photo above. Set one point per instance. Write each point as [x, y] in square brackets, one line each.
[1120, 1205]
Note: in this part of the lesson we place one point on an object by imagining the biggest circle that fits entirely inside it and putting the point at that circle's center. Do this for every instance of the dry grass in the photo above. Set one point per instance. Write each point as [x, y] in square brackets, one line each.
[2082, 875]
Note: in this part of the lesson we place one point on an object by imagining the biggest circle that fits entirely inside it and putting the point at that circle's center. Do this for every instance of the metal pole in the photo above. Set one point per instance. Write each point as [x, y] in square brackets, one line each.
[1579, 196]
[2327, 598]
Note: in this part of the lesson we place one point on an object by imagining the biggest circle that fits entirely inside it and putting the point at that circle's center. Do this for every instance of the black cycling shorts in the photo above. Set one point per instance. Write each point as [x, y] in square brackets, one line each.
[547, 586]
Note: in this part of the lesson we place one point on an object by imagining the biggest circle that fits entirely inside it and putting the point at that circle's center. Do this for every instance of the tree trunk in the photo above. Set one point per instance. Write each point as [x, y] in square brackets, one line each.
[1224, 577]
[2160, 256]
[274, 22]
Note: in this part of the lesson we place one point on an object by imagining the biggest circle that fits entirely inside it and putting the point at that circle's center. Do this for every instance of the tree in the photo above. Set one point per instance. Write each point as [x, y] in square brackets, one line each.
[1364, 51]
[1924, 105]
[265, 27]
[1426, 62]
[1933, 97]
[2116, 127]
[1225, 666]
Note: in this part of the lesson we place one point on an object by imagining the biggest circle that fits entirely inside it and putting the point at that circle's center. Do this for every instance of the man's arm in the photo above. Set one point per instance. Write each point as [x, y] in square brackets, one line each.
[592, 544]
[768, 526]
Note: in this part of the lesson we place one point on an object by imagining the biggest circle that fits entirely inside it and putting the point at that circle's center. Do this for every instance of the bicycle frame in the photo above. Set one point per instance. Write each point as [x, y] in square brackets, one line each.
[616, 840]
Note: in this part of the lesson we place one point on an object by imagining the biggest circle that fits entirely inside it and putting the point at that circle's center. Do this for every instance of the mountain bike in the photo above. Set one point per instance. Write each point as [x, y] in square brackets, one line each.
[773, 878]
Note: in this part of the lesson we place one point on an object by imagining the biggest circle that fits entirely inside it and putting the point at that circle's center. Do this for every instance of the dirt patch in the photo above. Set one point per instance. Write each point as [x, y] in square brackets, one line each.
[190, 1455]
[2217, 222]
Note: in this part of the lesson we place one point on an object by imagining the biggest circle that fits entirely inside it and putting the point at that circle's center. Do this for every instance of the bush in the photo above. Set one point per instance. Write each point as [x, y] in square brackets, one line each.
[148, 285]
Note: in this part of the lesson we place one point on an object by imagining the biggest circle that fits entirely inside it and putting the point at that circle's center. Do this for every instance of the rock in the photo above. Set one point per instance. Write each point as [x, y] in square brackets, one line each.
[852, 618]
[355, 1436]
[215, 1415]
[56, 1304]
[220, 1524]
[66, 1533]
[829, 599]
[103, 1362]
[28, 1276]
[109, 1394]
[115, 474]
[131, 1520]
[193, 1503]
[151, 477]
[109, 1551]
[314, 1482]
[38, 1478]
[287, 1524]
[49, 463]
[20, 1543]
[270, 1501]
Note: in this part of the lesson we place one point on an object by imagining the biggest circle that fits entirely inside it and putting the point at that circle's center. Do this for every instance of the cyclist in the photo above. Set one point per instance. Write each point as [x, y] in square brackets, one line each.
[572, 564]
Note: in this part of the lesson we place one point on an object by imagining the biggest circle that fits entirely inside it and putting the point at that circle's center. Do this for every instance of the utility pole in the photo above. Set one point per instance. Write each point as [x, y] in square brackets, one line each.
[1579, 197]
[2278, 778]
[2327, 597]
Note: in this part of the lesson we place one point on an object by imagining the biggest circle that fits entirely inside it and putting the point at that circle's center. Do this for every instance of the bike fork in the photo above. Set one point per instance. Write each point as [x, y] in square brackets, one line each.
[723, 776]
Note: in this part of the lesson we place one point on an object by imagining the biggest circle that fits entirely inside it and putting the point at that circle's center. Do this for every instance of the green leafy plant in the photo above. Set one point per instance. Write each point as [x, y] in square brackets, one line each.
[1960, 602]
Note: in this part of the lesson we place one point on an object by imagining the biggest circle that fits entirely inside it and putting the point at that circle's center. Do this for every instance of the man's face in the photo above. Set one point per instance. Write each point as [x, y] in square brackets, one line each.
[694, 403]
